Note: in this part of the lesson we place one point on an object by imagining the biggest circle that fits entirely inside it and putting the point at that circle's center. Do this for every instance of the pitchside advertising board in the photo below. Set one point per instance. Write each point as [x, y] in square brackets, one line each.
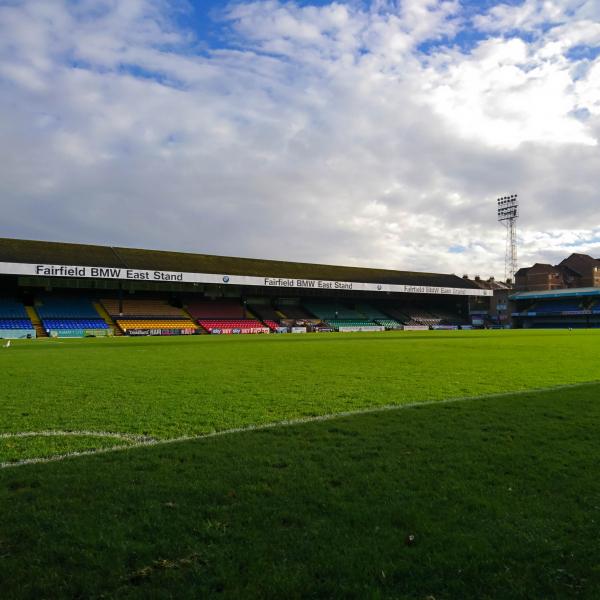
[237, 330]
[365, 328]
[16, 334]
[79, 333]
[44, 270]
[145, 332]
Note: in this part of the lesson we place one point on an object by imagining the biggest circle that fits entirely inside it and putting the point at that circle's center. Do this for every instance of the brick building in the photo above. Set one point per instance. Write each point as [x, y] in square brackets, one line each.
[576, 271]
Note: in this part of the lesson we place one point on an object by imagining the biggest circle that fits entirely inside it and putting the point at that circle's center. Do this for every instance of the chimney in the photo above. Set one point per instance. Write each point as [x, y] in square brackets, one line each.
[477, 278]
[465, 276]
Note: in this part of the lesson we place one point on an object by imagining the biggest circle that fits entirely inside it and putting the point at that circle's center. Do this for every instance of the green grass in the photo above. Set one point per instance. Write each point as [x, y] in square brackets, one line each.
[502, 495]
[166, 387]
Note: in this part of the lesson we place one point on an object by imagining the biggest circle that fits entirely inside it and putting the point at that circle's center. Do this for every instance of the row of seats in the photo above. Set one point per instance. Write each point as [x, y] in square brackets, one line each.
[65, 308]
[337, 323]
[387, 323]
[215, 309]
[558, 306]
[126, 324]
[272, 325]
[9, 309]
[74, 324]
[142, 308]
[370, 312]
[229, 324]
[15, 324]
[328, 310]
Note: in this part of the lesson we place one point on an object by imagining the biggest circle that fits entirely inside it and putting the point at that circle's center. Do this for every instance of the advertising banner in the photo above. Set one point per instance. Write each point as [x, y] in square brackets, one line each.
[477, 321]
[415, 328]
[16, 334]
[501, 307]
[46, 270]
[321, 329]
[67, 333]
[444, 327]
[100, 332]
[237, 330]
[466, 327]
[282, 330]
[365, 328]
[298, 329]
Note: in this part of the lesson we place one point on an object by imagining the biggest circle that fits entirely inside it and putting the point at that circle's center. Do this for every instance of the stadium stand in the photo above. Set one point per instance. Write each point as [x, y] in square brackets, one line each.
[215, 309]
[142, 308]
[147, 314]
[395, 314]
[264, 312]
[419, 316]
[294, 312]
[447, 317]
[15, 324]
[328, 311]
[267, 314]
[68, 313]
[13, 315]
[9, 309]
[337, 323]
[377, 316]
[558, 306]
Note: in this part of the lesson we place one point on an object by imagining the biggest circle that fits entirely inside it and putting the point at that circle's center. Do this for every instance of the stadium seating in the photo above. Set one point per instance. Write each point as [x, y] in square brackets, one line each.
[68, 313]
[210, 324]
[327, 310]
[337, 323]
[126, 324]
[377, 316]
[447, 317]
[271, 324]
[395, 314]
[264, 312]
[66, 308]
[387, 323]
[558, 306]
[292, 311]
[74, 324]
[16, 324]
[419, 316]
[215, 309]
[142, 308]
[9, 309]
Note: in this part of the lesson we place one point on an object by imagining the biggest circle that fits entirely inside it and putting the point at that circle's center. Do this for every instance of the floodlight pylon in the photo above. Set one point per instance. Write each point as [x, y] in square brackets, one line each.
[508, 213]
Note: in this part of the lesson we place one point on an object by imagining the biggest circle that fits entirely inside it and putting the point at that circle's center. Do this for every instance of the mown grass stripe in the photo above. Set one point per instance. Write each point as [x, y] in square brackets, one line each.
[153, 441]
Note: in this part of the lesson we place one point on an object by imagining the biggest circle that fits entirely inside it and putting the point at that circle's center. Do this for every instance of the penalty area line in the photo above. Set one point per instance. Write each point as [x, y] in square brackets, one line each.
[142, 441]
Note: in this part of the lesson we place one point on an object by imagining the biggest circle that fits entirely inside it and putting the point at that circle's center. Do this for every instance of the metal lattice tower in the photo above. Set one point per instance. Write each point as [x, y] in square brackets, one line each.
[508, 213]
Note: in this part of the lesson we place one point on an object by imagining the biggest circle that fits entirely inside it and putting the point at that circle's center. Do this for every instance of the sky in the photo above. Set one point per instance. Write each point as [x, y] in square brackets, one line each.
[376, 134]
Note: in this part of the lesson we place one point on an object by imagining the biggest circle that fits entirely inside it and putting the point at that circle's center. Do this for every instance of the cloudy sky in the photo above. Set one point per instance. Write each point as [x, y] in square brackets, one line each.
[359, 133]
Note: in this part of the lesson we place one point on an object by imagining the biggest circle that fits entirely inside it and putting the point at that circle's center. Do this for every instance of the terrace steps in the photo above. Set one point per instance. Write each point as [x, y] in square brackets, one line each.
[35, 321]
[249, 315]
[102, 312]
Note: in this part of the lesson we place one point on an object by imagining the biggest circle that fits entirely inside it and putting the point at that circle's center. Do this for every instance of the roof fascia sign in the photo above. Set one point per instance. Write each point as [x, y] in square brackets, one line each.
[44, 270]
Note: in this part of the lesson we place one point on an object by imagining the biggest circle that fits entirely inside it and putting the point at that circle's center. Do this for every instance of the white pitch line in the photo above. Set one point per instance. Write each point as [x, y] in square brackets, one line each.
[149, 441]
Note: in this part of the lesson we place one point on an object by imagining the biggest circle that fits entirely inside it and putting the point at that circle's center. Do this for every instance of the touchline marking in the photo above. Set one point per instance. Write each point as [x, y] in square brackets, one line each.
[140, 441]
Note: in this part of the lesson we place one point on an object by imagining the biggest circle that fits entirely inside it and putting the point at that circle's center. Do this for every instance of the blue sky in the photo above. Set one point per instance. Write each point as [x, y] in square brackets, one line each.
[375, 134]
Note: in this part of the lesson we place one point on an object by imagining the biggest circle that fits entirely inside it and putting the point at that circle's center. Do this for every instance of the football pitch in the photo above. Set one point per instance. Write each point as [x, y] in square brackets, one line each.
[501, 492]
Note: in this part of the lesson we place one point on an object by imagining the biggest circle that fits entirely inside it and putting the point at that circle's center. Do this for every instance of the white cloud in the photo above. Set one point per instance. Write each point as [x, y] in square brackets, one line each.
[327, 134]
